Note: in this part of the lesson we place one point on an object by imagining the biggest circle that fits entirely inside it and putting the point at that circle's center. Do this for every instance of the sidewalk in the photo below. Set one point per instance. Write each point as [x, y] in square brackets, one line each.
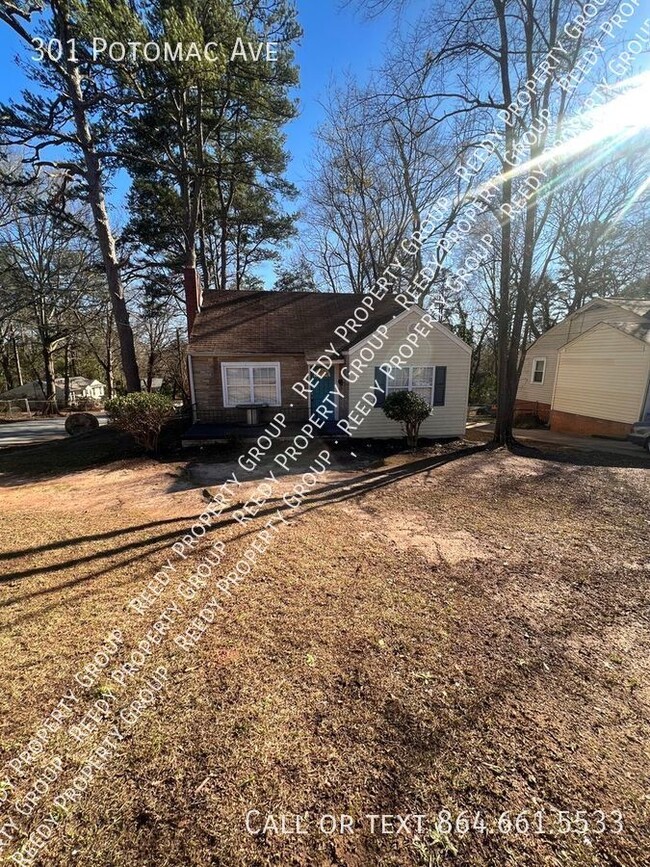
[585, 444]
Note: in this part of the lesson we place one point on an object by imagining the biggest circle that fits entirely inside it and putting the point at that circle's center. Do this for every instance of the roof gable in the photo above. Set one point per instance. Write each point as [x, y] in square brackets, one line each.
[636, 330]
[638, 308]
[435, 326]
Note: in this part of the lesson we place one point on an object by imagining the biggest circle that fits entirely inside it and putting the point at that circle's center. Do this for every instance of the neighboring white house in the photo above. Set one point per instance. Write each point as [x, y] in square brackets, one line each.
[80, 387]
[590, 373]
[156, 383]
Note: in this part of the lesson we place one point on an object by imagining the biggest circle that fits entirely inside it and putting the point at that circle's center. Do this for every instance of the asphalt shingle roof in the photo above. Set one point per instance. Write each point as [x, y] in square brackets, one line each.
[269, 323]
[640, 330]
[640, 306]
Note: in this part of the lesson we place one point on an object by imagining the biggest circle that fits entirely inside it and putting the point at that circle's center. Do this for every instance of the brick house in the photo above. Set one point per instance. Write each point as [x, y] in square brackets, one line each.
[247, 349]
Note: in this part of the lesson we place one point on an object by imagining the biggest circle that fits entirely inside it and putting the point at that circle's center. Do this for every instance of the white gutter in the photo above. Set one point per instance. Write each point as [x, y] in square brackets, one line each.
[190, 371]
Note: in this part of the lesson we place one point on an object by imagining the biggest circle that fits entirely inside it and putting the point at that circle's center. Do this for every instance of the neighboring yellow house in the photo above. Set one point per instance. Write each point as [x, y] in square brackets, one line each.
[590, 373]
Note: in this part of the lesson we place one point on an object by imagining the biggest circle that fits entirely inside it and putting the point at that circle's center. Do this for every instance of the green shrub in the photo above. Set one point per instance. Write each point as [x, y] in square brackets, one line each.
[410, 410]
[142, 415]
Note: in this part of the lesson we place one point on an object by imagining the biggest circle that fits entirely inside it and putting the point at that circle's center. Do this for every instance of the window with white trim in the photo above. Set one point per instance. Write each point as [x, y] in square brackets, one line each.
[417, 379]
[245, 382]
[539, 368]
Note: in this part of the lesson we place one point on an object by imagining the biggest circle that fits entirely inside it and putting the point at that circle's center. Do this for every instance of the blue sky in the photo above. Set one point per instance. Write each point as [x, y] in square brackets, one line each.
[335, 40]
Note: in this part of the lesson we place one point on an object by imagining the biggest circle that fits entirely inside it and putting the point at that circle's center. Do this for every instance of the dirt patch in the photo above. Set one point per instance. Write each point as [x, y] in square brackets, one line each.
[153, 488]
[409, 529]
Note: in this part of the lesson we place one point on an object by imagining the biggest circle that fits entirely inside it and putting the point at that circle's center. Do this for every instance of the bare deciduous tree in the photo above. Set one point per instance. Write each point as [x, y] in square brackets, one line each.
[58, 127]
[49, 260]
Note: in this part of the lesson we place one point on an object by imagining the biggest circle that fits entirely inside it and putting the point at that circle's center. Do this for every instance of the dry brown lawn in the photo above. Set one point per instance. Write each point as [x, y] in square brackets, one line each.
[470, 635]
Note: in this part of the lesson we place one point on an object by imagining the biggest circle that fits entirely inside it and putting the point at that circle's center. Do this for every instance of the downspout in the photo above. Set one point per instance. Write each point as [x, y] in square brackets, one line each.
[557, 373]
[645, 406]
[190, 373]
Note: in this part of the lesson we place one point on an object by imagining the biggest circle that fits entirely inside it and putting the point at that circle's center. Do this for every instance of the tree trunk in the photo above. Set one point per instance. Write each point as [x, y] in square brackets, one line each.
[109, 374]
[115, 288]
[19, 372]
[178, 375]
[150, 365]
[97, 201]
[66, 375]
[50, 407]
[223, 241]
[203, 248]
[6, 369]
[507, 394]
[108, 367]
[475, 366]
[506, 377]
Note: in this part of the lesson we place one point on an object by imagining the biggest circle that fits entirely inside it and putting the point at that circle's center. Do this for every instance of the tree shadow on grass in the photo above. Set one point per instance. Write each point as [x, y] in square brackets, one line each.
[79, 540]
[74, 582]
[584, 458]
[420, 747]
[20, 465]
[333, 493]
[565, 454]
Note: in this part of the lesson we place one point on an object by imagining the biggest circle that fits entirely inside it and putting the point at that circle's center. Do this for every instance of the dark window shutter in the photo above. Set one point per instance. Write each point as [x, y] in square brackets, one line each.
[440, 386]
[380, 381]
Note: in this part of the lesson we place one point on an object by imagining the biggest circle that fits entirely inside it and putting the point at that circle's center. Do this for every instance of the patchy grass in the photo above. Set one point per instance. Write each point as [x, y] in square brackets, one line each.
[441, 632]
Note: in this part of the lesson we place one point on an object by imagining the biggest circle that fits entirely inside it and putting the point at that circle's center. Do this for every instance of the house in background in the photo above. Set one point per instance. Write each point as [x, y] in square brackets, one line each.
[80, 387]
[156, 384]
[590, 373]
[247, 349]
[28, 390]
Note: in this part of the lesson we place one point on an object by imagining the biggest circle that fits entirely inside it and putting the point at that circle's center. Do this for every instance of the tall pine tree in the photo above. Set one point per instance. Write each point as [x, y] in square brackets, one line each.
[205, 149]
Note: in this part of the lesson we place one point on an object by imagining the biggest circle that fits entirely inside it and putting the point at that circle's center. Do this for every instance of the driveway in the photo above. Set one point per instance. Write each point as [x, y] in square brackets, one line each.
[585, 444]
[36, 430]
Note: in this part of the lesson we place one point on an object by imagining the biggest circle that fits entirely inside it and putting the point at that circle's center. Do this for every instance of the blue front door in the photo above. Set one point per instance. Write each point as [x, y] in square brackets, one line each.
[321, 391]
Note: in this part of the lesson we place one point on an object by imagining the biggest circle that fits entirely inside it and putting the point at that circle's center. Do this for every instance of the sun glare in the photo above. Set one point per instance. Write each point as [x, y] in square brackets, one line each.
[629, 111]
[611, 125]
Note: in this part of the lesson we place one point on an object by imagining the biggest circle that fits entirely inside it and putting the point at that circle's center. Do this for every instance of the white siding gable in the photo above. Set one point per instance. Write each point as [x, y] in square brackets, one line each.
[440, 347]
[603, 374]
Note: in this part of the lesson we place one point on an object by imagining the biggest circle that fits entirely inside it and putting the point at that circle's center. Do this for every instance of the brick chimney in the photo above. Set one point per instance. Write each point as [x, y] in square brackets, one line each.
[193, 295]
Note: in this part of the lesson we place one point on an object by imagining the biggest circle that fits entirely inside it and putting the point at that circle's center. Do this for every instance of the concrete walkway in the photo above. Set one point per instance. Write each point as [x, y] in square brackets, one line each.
[36, 430]
[585, 444]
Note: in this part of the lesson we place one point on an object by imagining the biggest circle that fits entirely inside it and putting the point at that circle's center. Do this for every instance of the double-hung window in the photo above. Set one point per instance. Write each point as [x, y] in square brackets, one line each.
[417, 379]
[248, 382]
[539, 367]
